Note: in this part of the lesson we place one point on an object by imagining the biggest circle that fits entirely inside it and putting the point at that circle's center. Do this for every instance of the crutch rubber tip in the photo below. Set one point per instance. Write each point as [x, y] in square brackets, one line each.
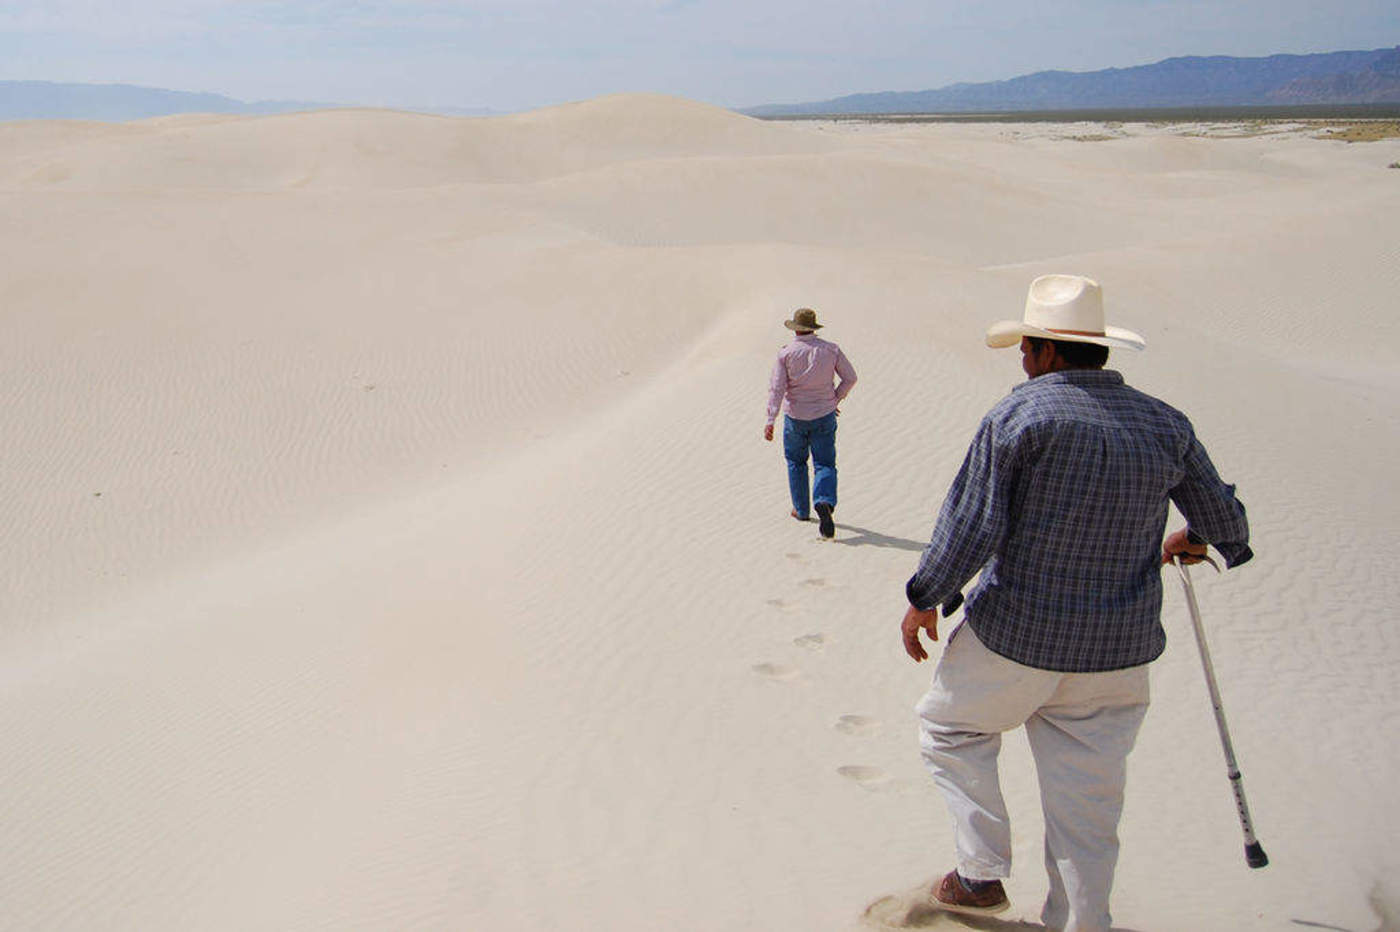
[1254, 855]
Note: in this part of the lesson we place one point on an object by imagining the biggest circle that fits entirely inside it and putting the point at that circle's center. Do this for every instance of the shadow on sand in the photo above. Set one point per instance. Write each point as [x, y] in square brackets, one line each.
[864, 537]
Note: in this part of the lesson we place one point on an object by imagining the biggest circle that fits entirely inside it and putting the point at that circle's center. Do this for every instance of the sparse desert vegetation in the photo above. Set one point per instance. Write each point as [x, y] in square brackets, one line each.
[1360, 131]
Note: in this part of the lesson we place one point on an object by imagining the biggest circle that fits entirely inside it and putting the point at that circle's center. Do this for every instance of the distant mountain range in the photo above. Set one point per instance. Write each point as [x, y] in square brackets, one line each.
[46, 100]
[1217, 81]
[1330, 78]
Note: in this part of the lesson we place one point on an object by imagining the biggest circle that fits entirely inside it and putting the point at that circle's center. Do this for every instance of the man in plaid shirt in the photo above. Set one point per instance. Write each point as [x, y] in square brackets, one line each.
[1061, 504]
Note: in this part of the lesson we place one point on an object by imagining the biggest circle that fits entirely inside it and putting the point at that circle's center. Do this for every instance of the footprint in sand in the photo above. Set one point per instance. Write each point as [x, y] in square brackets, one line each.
[857, 724]
[816, 582]
[869, 778]
[810, 641]
[775, 671]
[794, 556]
[781, 605]
[912, 910]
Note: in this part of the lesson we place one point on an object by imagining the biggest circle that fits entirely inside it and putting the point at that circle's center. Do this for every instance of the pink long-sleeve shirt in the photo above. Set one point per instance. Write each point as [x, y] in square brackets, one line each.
[803, 375]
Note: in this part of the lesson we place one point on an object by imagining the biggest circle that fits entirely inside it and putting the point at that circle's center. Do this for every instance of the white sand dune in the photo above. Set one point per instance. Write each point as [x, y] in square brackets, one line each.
[391, 544]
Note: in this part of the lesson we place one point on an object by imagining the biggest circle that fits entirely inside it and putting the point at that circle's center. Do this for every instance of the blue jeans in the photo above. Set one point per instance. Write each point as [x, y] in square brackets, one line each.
[819, 437]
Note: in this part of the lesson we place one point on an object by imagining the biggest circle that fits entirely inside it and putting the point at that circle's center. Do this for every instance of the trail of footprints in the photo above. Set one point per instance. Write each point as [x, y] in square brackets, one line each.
[869, 778]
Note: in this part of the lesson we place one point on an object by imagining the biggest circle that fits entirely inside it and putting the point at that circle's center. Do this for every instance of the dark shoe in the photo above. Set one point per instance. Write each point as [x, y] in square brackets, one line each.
[953, 895]
[828, 527]
[798, 516]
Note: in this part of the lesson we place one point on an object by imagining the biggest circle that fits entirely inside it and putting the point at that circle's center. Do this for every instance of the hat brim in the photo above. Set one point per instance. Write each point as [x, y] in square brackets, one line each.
[794, 325]
[1005, 333]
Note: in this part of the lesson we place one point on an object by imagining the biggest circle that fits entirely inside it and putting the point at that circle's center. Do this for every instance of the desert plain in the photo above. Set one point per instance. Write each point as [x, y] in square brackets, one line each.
[391, 543]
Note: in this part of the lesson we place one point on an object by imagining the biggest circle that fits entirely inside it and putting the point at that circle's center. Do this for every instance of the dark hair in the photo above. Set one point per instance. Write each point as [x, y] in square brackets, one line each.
[1075, 354]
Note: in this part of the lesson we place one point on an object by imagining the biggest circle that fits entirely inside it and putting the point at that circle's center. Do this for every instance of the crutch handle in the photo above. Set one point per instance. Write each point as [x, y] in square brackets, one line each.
[1201, 558]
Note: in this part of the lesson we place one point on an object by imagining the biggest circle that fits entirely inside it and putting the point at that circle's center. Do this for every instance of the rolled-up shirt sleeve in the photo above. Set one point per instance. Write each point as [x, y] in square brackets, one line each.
[971, 523]
[777, 389]
[1213, 513]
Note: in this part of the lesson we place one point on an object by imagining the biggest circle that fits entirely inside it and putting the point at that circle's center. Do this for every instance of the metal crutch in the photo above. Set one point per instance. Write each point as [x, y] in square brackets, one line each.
[1253, 851]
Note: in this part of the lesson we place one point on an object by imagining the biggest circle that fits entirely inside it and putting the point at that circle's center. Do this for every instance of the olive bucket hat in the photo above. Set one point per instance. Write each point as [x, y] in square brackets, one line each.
[804, 318]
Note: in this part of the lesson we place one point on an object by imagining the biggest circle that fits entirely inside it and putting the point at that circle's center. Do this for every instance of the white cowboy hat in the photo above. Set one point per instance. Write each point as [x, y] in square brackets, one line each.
[1063, 307]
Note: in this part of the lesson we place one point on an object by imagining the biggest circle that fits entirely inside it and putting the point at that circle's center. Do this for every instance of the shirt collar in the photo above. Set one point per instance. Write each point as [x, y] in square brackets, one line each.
[1075, 377]
[806, 337]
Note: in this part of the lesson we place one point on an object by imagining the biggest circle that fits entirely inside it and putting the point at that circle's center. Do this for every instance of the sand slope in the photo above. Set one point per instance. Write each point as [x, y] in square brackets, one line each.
[391, 542]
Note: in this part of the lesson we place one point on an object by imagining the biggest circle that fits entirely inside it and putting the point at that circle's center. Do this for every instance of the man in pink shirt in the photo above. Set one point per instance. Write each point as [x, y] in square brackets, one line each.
[802, 383]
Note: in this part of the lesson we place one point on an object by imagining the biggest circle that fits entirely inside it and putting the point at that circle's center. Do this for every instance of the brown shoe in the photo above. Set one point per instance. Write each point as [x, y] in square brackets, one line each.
[952, 895]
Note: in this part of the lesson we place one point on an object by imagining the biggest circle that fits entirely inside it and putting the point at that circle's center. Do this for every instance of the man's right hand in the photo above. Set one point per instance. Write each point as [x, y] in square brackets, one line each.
[768, 432]
[913, 622]
[1177, 545]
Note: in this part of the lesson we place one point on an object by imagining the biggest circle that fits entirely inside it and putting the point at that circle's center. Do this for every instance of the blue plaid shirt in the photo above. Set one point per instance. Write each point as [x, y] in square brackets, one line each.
[1061, 502]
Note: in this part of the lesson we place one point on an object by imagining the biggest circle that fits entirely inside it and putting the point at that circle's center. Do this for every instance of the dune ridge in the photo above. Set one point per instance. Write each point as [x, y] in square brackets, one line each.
[376, 149]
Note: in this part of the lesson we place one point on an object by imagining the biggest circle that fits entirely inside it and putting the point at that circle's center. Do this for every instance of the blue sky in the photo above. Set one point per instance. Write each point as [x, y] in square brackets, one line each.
[518, 54]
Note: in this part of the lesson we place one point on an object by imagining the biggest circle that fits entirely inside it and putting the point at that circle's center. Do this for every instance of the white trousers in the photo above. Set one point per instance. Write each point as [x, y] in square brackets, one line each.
[1081, 727]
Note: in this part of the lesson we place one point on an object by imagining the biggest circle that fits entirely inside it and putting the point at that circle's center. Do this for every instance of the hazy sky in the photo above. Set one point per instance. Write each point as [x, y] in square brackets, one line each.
[517, 54]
